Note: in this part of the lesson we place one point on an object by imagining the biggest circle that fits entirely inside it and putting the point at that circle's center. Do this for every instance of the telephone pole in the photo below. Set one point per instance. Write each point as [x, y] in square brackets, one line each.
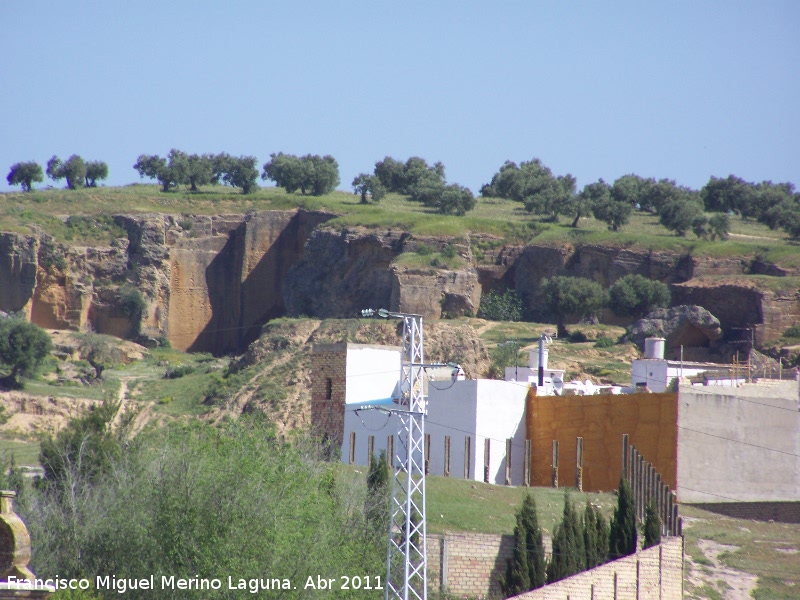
[407, 556]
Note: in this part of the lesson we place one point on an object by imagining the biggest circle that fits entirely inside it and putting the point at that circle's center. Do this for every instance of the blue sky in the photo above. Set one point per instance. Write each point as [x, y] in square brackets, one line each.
[683, 90]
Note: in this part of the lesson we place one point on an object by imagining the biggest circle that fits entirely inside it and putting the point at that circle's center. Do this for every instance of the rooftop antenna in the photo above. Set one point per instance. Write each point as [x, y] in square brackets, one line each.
[407, 556]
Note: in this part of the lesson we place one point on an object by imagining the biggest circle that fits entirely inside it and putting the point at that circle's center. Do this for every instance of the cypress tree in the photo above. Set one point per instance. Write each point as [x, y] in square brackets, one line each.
[569, 553]
[595, 535]
[517, 579]
[622, 540]
[652, 526]
[377, 502]
[526, 568]
[533, 543]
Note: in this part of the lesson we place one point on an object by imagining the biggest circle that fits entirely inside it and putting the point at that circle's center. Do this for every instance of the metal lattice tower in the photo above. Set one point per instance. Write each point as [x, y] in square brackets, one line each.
[406, 559]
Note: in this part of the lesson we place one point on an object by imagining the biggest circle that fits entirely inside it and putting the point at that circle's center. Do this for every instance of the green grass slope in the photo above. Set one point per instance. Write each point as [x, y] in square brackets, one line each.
[89, 209]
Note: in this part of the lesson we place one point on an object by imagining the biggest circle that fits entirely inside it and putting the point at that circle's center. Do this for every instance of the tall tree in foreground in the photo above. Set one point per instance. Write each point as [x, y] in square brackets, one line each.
[526, 568]
[25, 174]
[623, 526]
[595, 536]
[569, 553]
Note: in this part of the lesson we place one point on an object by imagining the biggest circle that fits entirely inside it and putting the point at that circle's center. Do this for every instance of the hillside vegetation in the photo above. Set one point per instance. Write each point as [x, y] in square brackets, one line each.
[82, 217]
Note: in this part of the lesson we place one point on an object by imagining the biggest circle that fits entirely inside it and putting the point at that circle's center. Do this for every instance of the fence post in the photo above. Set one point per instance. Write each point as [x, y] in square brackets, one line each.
[443, 565]
[427, 454]
[508, 461]
[447, 456]
[579, 464]
[626, 469]
[640, 486]
[527, 466]
[352, 447]
[486, 449]
[370, 449]
[390, 451]
[467, 455]
[555, 464]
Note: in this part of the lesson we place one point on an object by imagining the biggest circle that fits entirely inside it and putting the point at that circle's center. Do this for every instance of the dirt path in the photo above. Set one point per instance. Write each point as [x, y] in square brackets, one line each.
[738, 585]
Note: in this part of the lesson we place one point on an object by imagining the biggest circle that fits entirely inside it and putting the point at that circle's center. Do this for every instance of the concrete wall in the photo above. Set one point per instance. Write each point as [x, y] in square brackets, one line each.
[649, 419]
[652, 574]
[739, 443]
[500, 415]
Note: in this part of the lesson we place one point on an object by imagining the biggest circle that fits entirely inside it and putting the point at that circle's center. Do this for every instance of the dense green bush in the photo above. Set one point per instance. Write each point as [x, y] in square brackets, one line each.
[501, 306]
[604, 342]
[792, 332]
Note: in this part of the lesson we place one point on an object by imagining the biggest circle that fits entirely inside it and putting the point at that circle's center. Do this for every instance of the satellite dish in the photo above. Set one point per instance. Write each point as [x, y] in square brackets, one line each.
[558, 384]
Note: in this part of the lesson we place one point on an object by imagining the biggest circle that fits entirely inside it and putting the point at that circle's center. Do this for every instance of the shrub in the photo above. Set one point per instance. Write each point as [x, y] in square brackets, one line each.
[179, 371]
[652, 526]
[501, 306]
[132, 304]
[792, 332]
[577, 337]
[604, 342]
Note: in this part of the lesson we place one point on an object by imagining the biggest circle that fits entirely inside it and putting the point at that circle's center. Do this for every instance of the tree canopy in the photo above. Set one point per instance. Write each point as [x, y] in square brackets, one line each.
[23, 346]
[534, 184]
[73, 170]
[312, 174]
[95, 170]
[25, 174]
[572, 296]
[636, 296]
[369, 187]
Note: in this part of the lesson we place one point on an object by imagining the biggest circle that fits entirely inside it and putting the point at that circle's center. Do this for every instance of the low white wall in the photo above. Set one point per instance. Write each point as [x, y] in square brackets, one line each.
[739, 443]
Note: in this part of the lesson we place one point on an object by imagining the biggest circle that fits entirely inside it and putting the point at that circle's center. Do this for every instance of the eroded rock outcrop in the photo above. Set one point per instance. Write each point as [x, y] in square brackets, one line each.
[682, 325]
[210, 282]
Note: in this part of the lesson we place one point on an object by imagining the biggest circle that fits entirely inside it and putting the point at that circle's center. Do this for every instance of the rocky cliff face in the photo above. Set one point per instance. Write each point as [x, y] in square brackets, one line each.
[210, 282]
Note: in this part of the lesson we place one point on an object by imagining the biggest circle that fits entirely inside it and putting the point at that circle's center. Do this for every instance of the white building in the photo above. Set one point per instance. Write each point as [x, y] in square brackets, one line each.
[469, 426]
[658, 374]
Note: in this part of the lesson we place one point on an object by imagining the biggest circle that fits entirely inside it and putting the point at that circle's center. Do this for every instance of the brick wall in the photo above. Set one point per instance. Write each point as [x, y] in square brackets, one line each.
[652, 574]
[781, 512]
[474, 563]
[328, 389]
[651, 420]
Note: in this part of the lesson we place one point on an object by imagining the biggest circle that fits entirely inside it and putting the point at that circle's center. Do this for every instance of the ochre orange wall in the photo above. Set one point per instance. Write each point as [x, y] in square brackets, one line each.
[651, 420]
